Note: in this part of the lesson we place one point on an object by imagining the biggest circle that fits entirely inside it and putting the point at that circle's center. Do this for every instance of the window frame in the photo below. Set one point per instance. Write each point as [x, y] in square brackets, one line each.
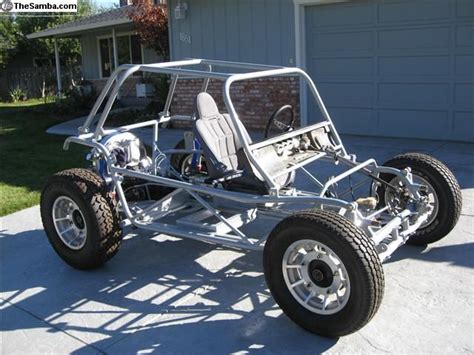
[128, 34]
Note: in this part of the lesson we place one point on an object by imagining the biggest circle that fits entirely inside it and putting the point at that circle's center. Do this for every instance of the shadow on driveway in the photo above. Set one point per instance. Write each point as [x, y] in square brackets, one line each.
[174, 296]
[458, 255]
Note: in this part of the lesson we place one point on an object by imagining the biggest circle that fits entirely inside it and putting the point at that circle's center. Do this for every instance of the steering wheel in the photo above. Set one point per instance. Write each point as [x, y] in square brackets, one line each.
[273, 121]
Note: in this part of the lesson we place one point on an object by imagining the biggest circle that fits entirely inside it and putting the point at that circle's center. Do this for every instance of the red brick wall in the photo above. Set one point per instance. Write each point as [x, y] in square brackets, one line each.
[254, 101]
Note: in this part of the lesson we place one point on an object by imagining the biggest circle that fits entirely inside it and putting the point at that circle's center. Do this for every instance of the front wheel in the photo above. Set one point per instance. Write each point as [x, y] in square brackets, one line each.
[440, 187]
[80, 218]
[323, 272]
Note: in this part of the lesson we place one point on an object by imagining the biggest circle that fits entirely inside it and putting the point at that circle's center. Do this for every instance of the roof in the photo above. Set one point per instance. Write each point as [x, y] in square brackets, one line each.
[113, 17]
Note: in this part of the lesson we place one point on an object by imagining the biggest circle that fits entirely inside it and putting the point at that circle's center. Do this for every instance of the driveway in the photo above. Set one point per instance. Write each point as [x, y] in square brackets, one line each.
[171, 295]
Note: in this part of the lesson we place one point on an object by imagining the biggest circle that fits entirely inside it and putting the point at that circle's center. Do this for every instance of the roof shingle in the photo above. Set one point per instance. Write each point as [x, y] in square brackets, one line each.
[104, 19]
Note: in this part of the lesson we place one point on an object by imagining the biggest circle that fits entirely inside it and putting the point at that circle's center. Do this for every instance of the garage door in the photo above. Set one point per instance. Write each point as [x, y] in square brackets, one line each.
[399, 68]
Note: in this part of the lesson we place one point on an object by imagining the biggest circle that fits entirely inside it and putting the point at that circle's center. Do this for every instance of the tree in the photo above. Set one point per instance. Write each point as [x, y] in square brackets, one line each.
[15, 29]
[151, 23]
[9, 35]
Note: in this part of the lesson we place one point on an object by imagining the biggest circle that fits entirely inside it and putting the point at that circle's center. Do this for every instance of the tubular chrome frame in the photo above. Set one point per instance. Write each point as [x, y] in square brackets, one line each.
[387, 238]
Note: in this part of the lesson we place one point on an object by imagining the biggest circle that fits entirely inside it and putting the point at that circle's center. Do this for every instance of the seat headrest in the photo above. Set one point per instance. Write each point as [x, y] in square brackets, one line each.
[206, 106]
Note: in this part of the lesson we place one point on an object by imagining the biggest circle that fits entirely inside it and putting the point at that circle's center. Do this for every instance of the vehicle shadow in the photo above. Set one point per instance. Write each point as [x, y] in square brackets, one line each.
[459, 254]
[159, 293]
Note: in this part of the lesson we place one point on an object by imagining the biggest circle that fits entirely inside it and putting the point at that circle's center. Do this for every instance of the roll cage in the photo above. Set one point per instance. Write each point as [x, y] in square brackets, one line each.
[388, 235]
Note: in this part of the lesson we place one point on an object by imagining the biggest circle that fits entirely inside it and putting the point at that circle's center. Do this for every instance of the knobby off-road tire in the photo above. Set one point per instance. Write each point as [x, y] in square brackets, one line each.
[98, 215]
[350, 245]
[445, 186]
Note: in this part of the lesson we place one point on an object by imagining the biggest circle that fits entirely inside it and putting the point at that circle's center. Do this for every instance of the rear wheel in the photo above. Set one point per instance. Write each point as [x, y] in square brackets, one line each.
[80, 218]
[182, 162]
[441, 188]
[323, 272]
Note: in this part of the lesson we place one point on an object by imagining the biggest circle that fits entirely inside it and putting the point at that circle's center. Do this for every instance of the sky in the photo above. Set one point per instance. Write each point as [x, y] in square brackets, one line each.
[107, 3]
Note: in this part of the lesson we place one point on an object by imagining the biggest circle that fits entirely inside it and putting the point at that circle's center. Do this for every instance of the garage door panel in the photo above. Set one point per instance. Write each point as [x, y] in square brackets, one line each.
[465, 36]
[464, 95]
[344, 15]
[414, 38]
[405, 11]
[353, 120]
[344, 41]
[464, 8]
[463, 125]
[347, 93]
[344, 66]
[464, 65]
[403, 66]
[415, 123]
[410, 93]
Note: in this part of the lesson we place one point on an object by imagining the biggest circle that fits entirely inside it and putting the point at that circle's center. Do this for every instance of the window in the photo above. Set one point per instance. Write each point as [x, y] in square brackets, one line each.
[129, 50]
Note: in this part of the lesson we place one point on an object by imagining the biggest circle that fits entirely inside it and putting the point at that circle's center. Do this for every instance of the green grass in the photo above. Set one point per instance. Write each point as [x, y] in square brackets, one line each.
[30, 102]
[28, 155]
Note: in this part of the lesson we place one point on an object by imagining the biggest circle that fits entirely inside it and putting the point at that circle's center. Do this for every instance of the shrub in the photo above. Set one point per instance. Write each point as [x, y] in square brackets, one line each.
[78, 100]
[17, 94]
[161, 86]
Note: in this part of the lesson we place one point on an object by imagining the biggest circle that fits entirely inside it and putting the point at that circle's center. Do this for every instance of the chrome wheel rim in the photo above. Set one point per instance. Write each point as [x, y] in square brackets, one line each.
[430, 195]
[69, 223]
[316, 277]
[186, 165]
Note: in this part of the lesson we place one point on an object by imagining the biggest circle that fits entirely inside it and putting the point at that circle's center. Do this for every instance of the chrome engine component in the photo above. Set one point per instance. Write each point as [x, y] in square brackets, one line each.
[128, 150]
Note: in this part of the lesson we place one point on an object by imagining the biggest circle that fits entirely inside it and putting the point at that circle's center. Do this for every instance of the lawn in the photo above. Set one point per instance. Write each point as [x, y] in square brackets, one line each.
[28, 155]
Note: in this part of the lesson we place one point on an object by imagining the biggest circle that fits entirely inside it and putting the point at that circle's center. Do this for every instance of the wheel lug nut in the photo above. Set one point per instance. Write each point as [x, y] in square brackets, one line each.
[336, 273]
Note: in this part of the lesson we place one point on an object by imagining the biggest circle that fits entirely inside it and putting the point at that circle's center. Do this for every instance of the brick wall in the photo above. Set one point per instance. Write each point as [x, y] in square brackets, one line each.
[254, 100]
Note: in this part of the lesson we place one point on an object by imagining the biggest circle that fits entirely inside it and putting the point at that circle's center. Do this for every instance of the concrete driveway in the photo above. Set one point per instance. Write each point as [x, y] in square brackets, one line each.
[170, 295]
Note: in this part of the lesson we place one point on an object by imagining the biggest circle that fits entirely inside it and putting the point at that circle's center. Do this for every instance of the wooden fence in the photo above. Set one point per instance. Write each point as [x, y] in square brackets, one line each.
[36, 82]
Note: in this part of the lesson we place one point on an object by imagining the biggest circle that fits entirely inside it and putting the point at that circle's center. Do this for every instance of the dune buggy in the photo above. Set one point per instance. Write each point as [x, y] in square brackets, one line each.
[322, 251]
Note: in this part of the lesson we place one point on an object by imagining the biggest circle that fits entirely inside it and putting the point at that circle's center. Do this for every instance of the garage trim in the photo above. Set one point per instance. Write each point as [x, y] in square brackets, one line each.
[300, 47]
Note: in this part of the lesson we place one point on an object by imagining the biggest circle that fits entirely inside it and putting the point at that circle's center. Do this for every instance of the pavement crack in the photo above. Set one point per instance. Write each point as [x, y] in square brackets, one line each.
[100, 351]
[372, 345]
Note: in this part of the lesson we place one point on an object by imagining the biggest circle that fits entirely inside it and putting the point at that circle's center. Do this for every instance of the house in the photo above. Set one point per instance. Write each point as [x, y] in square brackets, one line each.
[107, 40]
[399, 68]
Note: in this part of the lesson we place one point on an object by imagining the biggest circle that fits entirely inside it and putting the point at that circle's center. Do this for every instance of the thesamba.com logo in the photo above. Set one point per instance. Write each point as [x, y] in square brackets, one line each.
[6, 5]
[20, 6]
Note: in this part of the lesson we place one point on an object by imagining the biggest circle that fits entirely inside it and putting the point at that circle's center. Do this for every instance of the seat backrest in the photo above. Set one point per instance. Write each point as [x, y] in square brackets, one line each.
[223, 149]
[218, 136]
